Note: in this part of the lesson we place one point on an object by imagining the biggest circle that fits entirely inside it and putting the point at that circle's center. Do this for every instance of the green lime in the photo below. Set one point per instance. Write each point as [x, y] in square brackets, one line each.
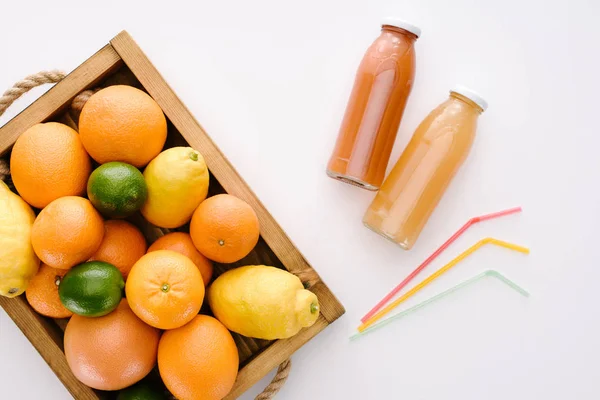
[92, 289]
[141, 391]
[117, 189]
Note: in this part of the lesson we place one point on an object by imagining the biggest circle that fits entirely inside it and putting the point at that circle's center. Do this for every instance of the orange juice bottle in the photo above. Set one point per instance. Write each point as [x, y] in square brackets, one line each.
[417, 182]
[381, 88]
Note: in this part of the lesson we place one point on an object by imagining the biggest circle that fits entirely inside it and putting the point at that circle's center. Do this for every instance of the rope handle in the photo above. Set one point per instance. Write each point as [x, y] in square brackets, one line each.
[55, 76]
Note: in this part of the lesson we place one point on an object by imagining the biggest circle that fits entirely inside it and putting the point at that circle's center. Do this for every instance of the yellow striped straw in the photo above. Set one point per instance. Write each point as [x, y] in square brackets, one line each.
[437, 274]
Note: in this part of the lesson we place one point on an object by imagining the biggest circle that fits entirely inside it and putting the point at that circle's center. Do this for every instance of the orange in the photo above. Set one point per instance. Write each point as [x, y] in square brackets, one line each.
[224, 228]
[182, 243]
[68, 231]
[48, 161]
[123, 244]
[42, 292]
[122, 123]
[198, 361]
[110, 352]
[165, 289]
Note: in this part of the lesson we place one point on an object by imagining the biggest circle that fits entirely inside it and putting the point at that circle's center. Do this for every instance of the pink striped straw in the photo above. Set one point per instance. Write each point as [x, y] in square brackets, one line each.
[436, 253]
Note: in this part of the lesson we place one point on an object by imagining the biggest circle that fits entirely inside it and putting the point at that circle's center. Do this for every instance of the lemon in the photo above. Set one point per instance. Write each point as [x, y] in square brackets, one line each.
[262, 302]
[177, 181]
[18, 262]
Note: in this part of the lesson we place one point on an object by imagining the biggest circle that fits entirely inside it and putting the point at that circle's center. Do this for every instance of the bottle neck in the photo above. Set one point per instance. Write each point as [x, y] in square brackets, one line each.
[466, 100]
[396, 30]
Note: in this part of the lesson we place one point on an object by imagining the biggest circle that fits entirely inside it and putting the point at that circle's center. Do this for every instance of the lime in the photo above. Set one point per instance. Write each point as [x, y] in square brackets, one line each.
[92, 289]
[117, 189]
[141, 391]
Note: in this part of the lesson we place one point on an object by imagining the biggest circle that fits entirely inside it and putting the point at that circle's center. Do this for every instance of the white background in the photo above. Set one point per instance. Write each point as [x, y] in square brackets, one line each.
[269, 81]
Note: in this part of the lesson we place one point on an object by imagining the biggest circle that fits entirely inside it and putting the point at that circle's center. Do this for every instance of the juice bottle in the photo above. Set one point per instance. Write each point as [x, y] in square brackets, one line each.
[381, 88]
[417, 182]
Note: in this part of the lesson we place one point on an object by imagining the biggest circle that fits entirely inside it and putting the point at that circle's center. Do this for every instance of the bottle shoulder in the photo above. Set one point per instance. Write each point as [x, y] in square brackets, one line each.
[449, 119]
[388, 48]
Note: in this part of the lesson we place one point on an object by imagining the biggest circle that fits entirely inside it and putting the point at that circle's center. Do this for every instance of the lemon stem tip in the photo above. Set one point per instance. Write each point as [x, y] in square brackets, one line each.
[194, 156]
[314, 308]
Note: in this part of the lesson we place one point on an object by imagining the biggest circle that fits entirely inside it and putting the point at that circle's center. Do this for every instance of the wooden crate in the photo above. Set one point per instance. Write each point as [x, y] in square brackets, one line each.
[122, 59]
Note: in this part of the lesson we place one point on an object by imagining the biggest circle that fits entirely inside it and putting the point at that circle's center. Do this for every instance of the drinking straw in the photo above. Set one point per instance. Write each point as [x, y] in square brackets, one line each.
[439, 296]
[439, 272]
[436, 253]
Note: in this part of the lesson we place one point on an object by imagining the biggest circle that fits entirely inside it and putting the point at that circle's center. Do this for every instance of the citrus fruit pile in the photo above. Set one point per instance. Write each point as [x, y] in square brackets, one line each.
[78, 253]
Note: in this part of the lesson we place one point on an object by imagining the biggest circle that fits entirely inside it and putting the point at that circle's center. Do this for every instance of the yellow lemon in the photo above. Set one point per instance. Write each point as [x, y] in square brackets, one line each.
[18, 262]
[262, 302]
[177, 181]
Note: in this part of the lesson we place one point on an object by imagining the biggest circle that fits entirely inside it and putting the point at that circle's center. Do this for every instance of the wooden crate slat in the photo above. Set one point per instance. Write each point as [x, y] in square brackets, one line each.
[86, 75]
[219, 166]
[271, 357]
[47, 340]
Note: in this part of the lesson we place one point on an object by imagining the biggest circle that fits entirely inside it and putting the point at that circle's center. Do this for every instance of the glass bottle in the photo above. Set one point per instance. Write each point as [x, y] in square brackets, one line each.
[381, 88]
[417, 182]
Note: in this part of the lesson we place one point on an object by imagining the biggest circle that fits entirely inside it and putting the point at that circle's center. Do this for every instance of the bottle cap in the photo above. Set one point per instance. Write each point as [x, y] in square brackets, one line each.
[471, 95]
[398, 23]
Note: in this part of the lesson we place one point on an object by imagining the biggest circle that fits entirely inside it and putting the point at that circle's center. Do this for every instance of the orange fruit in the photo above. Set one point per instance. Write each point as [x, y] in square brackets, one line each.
[123, 244]
[110, 352]
[182, 243]
[198, 361]
[165, 289]
[224, 228]
[42, 292]
[48, 161]
[68, 231]
[122, 123]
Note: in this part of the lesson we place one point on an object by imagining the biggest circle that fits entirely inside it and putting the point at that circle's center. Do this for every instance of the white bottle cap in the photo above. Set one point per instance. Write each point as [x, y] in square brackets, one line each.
[471, 95]
[398, 23]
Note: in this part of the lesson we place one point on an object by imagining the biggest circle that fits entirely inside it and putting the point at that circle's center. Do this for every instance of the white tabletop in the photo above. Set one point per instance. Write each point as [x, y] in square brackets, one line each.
[269, 82]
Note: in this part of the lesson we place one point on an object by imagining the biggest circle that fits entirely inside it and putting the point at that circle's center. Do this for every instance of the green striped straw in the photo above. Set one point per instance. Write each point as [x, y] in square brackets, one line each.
[468, 282]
